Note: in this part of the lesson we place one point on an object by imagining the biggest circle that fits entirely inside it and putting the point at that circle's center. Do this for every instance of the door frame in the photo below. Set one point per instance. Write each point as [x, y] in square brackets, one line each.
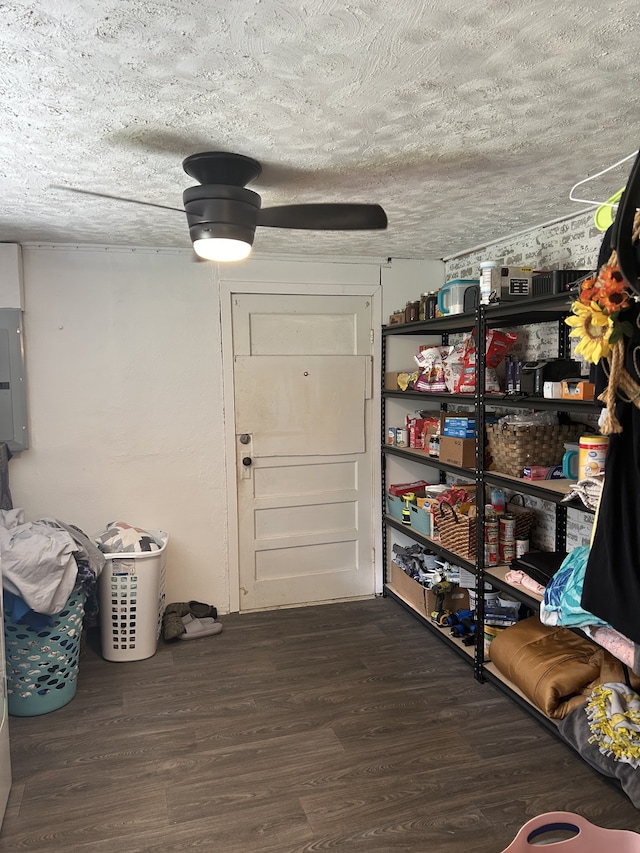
[299, 279]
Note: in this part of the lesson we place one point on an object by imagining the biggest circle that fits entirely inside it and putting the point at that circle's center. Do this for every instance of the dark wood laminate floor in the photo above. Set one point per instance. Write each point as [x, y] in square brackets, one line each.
[346, 727]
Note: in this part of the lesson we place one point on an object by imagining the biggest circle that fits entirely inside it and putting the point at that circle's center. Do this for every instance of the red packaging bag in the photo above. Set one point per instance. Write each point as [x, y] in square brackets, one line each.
[498, 345]
[415, 428]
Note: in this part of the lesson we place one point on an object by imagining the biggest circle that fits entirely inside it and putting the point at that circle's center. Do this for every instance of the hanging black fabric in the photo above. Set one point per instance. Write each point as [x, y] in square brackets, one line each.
[612, 579]
[6, 501]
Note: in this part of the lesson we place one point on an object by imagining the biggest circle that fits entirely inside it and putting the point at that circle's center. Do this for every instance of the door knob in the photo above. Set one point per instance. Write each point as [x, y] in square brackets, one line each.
[246, 461]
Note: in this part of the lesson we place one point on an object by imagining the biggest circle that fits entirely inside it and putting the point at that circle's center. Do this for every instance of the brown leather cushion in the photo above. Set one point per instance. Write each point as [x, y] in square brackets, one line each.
[555, 668]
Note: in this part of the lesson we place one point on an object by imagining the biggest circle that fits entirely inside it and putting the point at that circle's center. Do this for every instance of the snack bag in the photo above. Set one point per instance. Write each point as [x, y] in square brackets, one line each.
[453, 365]
[432, 377]
[498, 344]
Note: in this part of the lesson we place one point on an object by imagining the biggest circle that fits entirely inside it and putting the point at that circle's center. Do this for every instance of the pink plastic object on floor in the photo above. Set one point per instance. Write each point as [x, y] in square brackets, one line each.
[536, 836]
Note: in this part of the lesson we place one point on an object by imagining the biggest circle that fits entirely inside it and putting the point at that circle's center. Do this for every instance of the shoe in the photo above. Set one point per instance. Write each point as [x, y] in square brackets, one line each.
[205, 627]
[201, 610]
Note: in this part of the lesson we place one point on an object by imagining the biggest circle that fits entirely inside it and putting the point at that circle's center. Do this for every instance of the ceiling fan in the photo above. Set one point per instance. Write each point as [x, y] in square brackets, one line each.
[223, 214]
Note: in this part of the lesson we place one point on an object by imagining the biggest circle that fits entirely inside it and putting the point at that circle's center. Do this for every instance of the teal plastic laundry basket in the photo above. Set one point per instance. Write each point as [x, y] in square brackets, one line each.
[42, 666]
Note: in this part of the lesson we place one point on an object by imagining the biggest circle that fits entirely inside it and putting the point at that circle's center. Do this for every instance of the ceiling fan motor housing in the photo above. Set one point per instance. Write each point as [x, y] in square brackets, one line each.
[221, 210]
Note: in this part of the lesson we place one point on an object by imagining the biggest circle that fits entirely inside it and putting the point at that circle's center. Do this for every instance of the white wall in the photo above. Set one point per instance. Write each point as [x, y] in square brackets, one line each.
[125, 404]
[404, 279]
[124, 388]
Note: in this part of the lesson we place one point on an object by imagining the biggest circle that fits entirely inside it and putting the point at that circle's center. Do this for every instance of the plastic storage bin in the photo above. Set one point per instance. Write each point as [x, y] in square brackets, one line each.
[131, 588]
[574, 834]
[42, 666]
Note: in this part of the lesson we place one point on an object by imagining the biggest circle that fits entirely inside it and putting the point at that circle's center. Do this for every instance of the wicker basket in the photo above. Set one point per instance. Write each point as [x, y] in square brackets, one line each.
[457, 532]
[524, 516]
[514, 446]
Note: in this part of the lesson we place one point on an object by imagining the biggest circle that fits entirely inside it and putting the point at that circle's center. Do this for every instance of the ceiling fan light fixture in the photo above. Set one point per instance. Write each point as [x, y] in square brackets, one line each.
[223, 214]
[221, 241]
[221, 249]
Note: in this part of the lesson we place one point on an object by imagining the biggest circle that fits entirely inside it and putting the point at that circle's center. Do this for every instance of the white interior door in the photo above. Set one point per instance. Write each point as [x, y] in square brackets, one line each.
[302, 395]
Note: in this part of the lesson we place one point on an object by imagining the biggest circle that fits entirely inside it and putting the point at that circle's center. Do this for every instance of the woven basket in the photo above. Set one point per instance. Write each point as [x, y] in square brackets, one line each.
[457, 532]
[514, 446]
[524, 516]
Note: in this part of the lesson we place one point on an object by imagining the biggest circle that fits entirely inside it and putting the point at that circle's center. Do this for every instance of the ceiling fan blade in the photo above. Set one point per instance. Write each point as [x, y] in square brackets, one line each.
[114, 197]
[324, 217]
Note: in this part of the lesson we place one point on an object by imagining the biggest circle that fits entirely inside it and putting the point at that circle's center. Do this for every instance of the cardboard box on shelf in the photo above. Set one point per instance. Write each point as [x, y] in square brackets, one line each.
[424, 600]
[457, 599]
[411, 591]
[459, 422]
[458, 451]
[459, 432]
[577, 389]
[391, 379]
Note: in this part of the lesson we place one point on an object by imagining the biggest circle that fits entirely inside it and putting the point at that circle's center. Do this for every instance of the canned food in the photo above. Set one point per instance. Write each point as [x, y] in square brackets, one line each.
[391, 435]
[491, 554]
[508, 529]
[507, 551]
[522, 546]
[491, 531]
[402, 437]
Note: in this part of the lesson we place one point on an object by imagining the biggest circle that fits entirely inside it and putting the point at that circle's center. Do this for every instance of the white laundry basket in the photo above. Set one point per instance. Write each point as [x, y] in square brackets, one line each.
[132, 595]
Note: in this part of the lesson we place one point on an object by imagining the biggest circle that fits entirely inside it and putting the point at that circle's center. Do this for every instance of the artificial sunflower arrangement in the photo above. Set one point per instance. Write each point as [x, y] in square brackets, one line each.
[596, 314]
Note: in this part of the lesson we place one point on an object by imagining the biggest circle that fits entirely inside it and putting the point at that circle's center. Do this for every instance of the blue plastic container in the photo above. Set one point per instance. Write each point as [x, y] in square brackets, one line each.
[42, 666]
[394, 506]
[421, 520]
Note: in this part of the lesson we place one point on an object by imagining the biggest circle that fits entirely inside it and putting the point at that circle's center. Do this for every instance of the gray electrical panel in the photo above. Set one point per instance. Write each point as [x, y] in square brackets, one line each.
[13, 392]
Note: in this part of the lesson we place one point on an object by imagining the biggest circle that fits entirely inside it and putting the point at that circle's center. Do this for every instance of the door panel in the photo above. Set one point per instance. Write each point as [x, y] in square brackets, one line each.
[315, 334]
[303, 478]
[302, 393]
[320, 518]
[298, 399]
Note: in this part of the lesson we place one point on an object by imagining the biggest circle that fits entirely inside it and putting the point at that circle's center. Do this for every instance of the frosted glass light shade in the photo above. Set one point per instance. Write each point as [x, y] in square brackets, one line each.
[221, 249]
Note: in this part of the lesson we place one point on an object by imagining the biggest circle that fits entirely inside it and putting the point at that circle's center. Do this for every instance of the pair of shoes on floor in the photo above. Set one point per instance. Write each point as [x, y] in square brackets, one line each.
[196, 608]
[195, 627]
[174, 625]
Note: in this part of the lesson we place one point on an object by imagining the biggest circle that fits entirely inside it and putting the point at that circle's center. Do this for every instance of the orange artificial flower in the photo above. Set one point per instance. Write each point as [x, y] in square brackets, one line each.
[596, 311]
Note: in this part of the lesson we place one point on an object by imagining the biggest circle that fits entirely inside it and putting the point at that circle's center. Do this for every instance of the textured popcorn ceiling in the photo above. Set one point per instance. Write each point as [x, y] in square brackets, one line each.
[466, 120]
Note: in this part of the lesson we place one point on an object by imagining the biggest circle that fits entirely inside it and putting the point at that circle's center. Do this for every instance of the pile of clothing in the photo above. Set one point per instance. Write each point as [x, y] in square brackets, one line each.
[43, 562]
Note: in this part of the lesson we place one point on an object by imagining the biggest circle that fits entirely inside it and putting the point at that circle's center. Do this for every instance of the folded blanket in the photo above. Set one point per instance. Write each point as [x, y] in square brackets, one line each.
[587, 490]
[574, 729]
[561, 604]
[121, 537]
[554, 668]
[613, 711]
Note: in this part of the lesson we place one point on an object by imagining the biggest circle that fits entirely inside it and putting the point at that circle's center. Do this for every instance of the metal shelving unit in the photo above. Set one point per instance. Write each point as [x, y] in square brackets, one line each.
[511, 314]
[441, 328]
